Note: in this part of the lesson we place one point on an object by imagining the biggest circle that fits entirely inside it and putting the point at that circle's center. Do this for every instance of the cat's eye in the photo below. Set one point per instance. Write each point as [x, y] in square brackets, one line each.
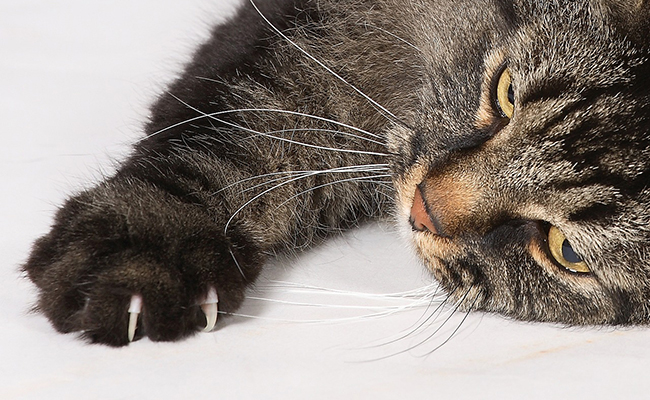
[505, 94]
[563, 252]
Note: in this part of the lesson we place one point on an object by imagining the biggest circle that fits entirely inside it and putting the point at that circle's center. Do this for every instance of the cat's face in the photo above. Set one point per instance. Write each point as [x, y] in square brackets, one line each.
[526, 188]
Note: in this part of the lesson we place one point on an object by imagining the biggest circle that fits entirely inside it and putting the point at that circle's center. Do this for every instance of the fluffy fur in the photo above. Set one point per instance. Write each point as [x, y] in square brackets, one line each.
[301, 118]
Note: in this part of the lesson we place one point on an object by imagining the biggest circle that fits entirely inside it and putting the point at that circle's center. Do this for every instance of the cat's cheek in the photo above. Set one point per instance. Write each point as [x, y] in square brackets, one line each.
[579, 282]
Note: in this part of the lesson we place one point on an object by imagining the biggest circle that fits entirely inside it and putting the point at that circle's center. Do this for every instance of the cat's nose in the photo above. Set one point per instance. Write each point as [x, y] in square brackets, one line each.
[421, 219]
[448, 205]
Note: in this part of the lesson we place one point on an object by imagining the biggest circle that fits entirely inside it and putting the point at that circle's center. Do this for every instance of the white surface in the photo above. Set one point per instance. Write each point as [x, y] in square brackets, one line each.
[75, 79]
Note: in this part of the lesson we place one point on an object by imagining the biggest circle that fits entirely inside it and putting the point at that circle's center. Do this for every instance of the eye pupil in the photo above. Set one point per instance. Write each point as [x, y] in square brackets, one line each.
[511, 94]
[562, 252]
[569, 254]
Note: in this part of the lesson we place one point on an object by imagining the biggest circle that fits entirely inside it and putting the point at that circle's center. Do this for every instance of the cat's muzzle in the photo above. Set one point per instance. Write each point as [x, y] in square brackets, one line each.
[421, 219]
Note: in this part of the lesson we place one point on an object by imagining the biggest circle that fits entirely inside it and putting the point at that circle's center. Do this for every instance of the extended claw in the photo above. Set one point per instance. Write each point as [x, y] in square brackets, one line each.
[134, 311]
[210, 309]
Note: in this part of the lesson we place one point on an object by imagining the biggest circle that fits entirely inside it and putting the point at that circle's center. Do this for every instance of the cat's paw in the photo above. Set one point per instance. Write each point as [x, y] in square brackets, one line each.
[123, 301]
[123, 270]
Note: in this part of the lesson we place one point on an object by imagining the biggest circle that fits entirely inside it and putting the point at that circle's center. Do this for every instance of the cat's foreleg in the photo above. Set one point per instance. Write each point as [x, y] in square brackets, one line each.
[174, 235]
[158, 240]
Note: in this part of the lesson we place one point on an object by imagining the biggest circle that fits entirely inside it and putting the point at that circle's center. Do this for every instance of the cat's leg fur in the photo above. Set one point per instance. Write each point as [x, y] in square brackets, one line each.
[205, 197]
[170, 227]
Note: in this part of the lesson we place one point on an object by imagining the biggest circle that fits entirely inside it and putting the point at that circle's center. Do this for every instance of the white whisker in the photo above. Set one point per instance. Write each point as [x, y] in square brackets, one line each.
[313, 321]
[244, 180]
[293, 179]
[241, 271]
[299, 114]
[270, 110]
[243, 128]
[305, 174]
[270, 181]
[399, 303]
[382, 109]
[368, 179]
[324, 130]
[323, 305]
[262, 194]
[414, 293]
[421, 323]
[352, 168]
[275, 187]
[383, 311]
[358, 178]
[393, 35]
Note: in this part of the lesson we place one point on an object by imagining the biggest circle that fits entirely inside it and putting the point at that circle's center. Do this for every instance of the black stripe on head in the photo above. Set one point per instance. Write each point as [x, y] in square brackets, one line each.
[551, 88]
[626, 186]
[622, 305]
[594, 212]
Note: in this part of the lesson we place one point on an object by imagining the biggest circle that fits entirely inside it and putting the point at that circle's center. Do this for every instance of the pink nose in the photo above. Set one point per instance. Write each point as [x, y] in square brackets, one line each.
[420, 218]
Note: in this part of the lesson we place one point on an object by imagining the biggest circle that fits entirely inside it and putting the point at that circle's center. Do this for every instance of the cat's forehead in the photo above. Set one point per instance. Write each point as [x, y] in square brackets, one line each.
[573, 47]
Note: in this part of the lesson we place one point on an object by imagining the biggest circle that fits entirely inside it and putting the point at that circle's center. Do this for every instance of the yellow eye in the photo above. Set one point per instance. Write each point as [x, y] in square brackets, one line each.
[505, 94]
[563, 253]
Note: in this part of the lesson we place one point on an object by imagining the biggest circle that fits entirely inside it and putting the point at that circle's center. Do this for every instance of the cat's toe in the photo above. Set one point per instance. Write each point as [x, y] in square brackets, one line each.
[208, 304]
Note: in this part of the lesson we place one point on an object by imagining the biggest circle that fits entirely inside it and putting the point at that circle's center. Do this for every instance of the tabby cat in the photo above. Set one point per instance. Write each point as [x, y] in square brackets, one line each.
[510, 140]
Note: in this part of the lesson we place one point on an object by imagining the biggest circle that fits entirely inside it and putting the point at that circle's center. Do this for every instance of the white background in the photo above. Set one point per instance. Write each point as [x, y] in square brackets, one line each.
[75, 80]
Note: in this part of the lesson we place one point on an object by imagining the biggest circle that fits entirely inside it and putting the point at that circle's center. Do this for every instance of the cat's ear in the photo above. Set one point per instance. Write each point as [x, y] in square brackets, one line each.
[631, 17]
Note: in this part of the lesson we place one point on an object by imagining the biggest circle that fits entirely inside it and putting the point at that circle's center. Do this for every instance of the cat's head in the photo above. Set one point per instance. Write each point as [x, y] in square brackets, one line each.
[525, 173]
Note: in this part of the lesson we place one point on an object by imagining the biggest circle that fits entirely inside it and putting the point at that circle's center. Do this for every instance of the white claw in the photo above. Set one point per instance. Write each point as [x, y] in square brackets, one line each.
[210, 309]
[134, 311]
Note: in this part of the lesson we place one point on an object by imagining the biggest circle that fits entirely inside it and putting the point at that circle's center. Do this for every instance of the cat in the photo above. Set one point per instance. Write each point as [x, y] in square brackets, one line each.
[508, 139]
